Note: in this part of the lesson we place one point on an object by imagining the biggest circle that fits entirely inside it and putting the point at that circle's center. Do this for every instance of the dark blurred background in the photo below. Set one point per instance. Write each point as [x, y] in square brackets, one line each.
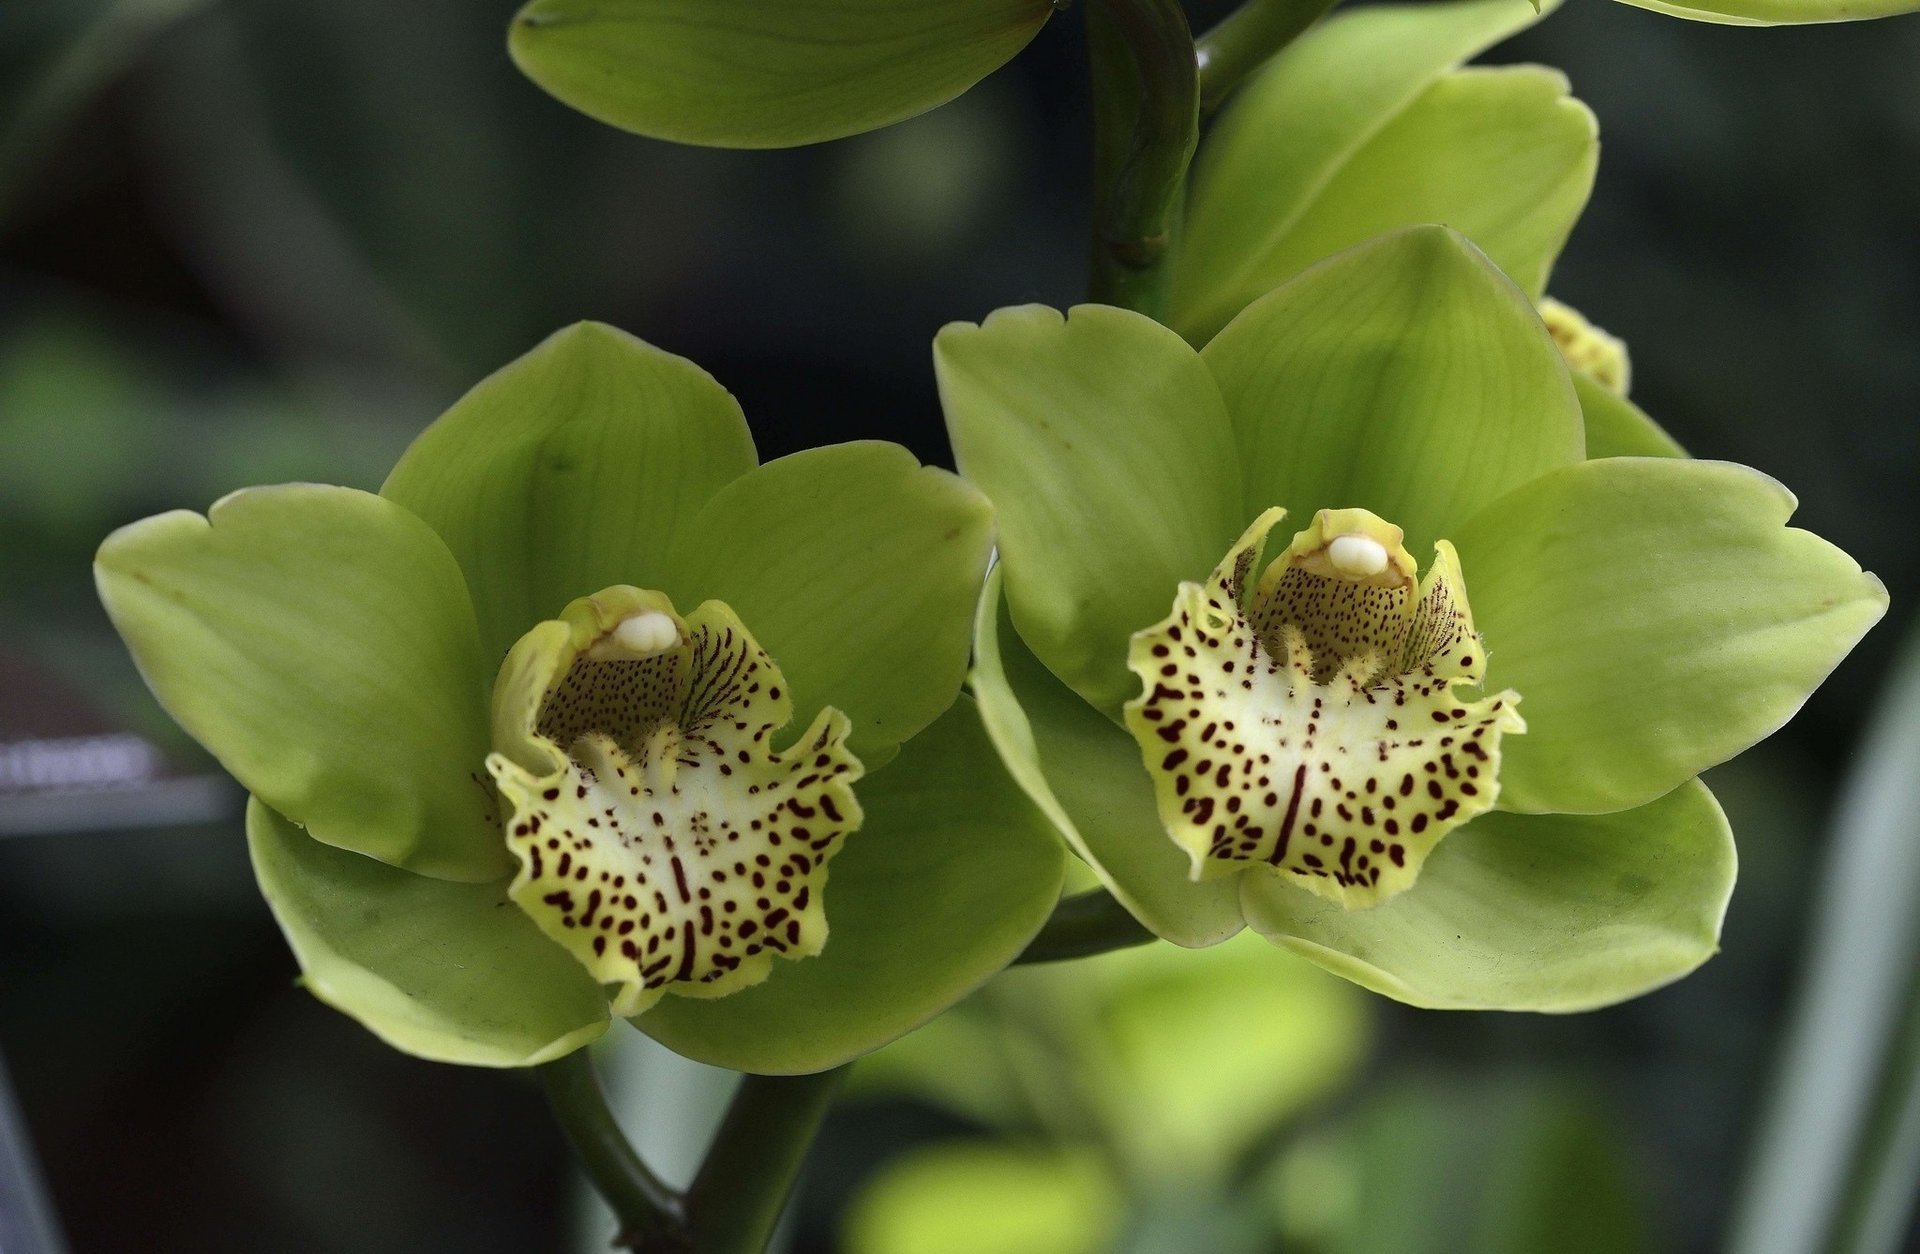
[248, 241]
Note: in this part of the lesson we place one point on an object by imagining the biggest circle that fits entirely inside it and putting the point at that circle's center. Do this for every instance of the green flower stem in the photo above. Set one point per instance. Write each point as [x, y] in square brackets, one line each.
[1246, 38]
[736, 1200]
[651, 1214]
[1084, 925]
[1146, 104]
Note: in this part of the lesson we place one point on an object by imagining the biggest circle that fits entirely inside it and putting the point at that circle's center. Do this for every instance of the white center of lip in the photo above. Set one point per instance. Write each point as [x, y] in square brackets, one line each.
[1359, 556]
[647, 633]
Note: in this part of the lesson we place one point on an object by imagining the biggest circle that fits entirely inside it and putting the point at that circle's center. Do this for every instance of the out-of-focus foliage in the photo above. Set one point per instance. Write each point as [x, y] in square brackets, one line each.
[1839, 1153]
[1159, 1101]
[1135, 1080]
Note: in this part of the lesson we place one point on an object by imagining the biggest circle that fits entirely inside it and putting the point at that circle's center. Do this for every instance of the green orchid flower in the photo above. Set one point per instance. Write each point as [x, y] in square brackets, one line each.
[483, 859]
[1368, 123]
[1463, 781]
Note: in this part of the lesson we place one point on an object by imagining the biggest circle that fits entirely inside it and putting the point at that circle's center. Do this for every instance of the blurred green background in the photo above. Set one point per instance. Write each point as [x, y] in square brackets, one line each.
[247, 241]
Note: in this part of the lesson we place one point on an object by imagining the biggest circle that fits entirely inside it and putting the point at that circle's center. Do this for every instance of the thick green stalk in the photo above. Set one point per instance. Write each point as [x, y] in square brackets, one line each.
[736, 1200]
[1244, 41]
[650, 1213]
[1084, 925]
[1146, 107]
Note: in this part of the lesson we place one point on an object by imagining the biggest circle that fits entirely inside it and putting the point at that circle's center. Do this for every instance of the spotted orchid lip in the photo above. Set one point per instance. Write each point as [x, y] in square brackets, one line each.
[1312, 728]
[662, 839]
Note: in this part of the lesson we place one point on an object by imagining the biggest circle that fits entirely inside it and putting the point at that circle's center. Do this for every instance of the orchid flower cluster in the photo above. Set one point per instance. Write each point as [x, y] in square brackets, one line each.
[1333, 589]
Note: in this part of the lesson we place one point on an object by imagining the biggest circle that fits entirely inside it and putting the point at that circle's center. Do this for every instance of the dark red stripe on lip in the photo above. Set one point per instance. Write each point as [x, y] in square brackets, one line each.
[1293, 812]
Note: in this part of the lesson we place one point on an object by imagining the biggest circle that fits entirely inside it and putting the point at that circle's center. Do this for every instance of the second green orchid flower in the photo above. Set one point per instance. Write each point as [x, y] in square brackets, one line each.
[1462, 781]
[631, 813]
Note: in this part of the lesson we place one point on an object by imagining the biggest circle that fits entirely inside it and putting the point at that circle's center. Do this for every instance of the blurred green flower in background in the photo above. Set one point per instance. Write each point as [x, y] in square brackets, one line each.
[335, 650]
[1653, 615]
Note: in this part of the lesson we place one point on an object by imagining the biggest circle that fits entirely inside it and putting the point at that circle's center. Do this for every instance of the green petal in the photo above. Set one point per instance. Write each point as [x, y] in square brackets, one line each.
[1616, 427]
[1102, 441]
[1290, 131]
[1656, 617]
[950, 876]
[857, 569]
[1407, 377]
[1525, 912]
[765, 73]
[570, 470]
[1085, 775]
[1779, 12]
[448, 972]
[1504, 156]
[319, 642]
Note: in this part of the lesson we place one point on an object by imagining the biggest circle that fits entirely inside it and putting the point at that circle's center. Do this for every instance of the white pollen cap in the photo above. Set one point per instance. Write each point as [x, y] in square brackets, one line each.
[1357, 555]
[651, 632]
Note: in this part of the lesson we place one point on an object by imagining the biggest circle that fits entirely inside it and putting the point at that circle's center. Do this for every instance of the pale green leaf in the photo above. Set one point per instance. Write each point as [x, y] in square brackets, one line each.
[1085, 773]
[1529, 912]
[944, 884]
[1288, 133]
[765, 73]
[857, 569]
[1780, 12]
[320, 643]
[1503, 156]
[1406, 376]
[1101, 439]
[1656, 616]
[570, 470]
[448, 972]
[1838, 1148]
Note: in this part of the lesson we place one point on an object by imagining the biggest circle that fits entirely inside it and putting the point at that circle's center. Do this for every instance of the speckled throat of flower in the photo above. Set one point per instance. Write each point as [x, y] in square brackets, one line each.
[1312, 729]
[662, 839]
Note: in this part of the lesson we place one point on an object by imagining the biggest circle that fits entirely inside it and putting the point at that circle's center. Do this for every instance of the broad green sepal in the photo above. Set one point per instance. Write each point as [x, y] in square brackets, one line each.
[1616, 427]
[857, 568]
[765, 73]
[1406, 375]
[1659, 616]
[571, 469]
[1288, 135]
[1103, 444]
[663, 841]
[1084, 774]
[1780, 12]
[950, 876]
[444, 971]
[1505, 156]
[1525, 912]
[319, 641]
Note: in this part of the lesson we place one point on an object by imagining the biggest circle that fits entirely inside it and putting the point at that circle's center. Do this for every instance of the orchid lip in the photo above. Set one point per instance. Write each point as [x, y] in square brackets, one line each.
[1311, 728]
[662, 840]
